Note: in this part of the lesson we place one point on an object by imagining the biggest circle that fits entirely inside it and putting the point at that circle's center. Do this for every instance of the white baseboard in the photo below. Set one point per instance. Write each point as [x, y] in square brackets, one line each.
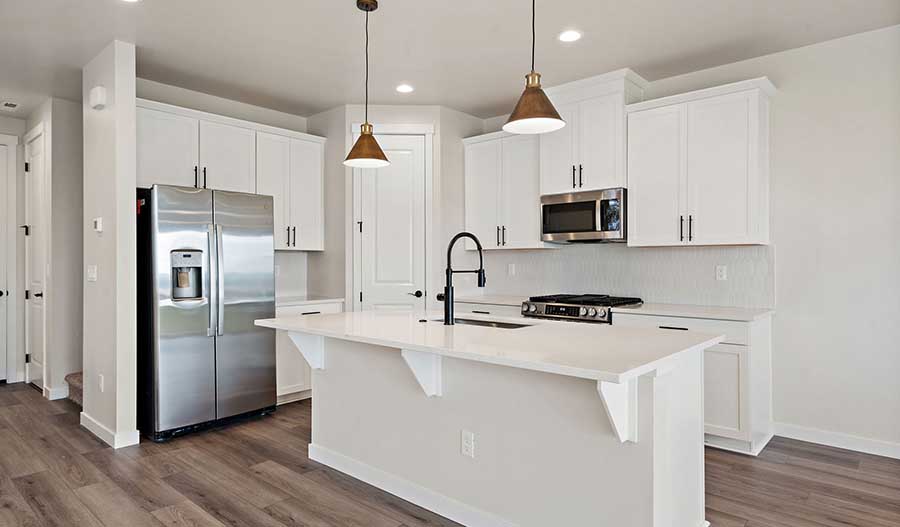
[293, 396]
[56, 393]
[838, 440]
[120, 440]
[412, 492]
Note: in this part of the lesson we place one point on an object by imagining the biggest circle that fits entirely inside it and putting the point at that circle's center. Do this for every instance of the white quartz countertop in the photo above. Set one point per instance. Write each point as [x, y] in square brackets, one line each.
[591, 351]
[305, 300]
[738, 314]
[494, 300]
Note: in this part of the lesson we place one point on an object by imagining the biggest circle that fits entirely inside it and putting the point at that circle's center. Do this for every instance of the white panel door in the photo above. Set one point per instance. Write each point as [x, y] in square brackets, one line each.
[520, 193]
[35, 260]
[599, 143]
[558, 163]
[167, 149]
[656, 212]
[482, 168]
[307, 197]
[5, 250]
[273, 173]
[391, 256]
[227, 157]
[718, 169]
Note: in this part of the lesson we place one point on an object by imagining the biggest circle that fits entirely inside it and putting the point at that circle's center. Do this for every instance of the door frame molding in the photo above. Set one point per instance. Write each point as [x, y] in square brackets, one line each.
[13, 372]
[351, 204]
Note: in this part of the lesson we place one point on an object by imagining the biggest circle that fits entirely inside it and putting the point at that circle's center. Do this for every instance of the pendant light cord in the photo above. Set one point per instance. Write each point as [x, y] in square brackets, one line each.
[532, 34]
[367, 67]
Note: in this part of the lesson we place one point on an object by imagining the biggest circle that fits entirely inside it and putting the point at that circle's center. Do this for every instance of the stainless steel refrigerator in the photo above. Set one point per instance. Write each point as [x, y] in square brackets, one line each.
[206, 272]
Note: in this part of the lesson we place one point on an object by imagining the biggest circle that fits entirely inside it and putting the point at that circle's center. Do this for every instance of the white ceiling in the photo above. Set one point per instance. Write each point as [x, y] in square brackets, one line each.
[305, 56]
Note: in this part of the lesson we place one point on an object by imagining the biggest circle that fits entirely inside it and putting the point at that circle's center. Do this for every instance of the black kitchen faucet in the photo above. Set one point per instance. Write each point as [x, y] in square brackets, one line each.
[448, 287]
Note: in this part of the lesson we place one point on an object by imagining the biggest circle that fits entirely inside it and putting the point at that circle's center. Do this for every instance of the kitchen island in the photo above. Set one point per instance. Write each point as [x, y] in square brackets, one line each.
[548, 423]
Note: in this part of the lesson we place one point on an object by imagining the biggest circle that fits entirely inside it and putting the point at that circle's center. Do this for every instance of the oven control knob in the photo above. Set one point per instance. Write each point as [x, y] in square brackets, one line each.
[583, 311]
[525, 306]
[592, 312]
[601, 313]
[532, 308]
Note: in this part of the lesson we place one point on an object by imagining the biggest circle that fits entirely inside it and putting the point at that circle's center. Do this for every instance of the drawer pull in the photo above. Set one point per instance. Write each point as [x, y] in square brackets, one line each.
[311, 313]
[673, 327]
[481, 312]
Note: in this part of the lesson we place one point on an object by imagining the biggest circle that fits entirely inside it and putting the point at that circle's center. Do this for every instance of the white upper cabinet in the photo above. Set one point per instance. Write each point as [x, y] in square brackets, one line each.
[273, 176]
[307, 195]
[227, 157]
[589, 152]
[503, 191]
[167, 148]
[698, 167]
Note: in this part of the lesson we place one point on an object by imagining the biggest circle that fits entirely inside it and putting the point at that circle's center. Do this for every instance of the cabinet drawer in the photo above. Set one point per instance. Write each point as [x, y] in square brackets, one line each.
[312, 309]
[735, 332]
[488, 309]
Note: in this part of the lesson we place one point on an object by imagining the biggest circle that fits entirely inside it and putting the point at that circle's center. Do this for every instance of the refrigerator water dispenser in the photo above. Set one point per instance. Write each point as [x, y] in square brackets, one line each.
[187, 276]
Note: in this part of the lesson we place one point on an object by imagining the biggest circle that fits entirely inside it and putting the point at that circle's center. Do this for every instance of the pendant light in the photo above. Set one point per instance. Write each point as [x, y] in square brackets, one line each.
[534, 113]
[366, 153]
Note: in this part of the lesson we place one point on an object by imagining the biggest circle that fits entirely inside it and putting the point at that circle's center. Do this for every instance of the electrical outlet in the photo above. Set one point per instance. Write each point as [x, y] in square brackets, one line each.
[92, 273]
[721, 272]
[467, 444]
[511, 269]
[100, 379]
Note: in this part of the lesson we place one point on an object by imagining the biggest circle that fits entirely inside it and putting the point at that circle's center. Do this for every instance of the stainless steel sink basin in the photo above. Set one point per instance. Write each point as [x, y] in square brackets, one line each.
[486, 323]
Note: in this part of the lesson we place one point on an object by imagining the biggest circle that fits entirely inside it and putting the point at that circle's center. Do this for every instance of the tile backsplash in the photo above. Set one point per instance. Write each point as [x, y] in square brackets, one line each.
[681, 275]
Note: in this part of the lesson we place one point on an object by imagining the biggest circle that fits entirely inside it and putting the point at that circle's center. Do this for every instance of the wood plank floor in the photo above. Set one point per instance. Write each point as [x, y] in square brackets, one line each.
[54, 473]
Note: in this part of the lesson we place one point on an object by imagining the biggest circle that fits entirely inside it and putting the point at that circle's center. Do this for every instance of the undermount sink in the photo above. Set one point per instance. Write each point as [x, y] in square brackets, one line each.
[485, 323]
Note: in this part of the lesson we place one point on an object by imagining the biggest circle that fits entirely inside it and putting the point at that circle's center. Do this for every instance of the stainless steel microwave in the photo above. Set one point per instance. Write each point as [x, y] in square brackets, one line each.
[590, 216]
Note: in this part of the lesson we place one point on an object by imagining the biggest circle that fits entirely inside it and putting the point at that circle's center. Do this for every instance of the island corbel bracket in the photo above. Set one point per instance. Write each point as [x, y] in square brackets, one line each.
[312, 347]
[620, 400]
[426, 367]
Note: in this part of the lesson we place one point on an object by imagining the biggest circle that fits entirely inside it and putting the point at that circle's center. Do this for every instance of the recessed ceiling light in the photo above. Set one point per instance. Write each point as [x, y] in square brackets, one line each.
[569, 35]
[405, 88]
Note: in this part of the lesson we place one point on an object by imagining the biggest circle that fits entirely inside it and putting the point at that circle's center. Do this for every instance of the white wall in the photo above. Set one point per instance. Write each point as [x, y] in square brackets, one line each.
[109, 183]
[62, 128]
[165, 93]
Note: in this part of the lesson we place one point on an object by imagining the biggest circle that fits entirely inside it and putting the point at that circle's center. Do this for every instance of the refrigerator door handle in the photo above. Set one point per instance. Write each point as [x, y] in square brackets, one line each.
[220, 275]
[211, 280]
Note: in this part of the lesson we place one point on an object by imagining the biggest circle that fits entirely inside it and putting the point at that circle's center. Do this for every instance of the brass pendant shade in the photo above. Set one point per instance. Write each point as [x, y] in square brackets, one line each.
[366, 152]
[534, 113]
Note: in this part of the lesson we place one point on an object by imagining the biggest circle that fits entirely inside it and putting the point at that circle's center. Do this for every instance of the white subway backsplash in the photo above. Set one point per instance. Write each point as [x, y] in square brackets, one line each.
[680, 275]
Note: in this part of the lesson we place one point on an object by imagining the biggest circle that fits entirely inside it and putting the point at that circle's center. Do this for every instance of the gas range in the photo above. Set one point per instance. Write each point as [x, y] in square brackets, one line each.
[581, 308]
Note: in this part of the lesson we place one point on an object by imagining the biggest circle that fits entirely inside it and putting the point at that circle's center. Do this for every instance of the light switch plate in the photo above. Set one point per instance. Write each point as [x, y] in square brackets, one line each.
[98, 224]
[721, 272]
[92, 273]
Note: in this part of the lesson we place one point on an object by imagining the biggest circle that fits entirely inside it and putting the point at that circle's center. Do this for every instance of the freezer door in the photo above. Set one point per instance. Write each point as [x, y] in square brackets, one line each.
[182, 332]
[245, 353]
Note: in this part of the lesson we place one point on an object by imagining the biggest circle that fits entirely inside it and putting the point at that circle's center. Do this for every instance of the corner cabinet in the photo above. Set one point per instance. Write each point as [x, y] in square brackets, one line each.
[503, 191]
[589, 152]
[189, 148]
[291, 171]
[698, 167]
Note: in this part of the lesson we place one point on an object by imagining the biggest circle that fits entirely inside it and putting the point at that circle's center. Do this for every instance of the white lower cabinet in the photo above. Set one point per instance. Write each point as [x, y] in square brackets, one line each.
[293, 379]
[737, 377]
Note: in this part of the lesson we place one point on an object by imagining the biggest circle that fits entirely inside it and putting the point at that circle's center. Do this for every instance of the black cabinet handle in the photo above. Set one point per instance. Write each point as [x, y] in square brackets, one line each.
[504, 235]
[573, 176]
[196, 177]
[681, 228]
[580, 179]
[288, 242]
[673, 327]
[311, 313]
[294, 231]
[690, 227]
[481, 312]
[204, 177]
[498, 236]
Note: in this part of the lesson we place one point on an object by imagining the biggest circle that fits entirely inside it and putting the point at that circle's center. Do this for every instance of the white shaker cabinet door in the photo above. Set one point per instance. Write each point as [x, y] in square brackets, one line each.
[167, 149]
[724, 373]
[719, 179]
[520, 207]
[483, 167]
[307, 197]
[600, 149]
[273, 175]
[559, 172]
[656, 211]
[228, 157]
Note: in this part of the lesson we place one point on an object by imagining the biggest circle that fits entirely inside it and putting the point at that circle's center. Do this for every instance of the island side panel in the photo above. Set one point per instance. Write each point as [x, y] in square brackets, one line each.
[545, 452]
